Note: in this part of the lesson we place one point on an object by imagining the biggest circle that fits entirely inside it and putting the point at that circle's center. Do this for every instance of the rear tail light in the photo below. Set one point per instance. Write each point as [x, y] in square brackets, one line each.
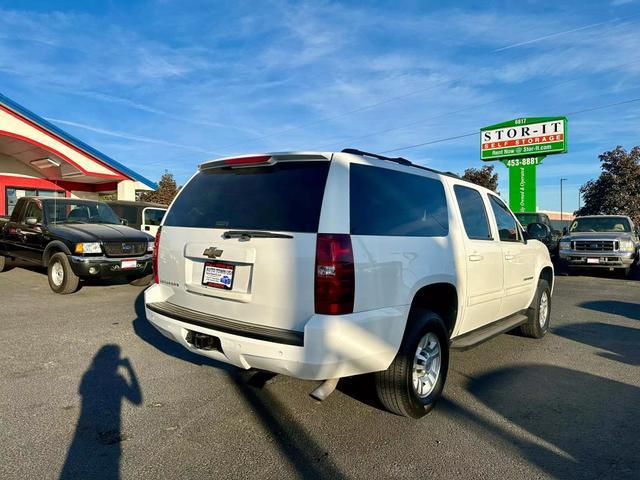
[334, 275]
[154, 259]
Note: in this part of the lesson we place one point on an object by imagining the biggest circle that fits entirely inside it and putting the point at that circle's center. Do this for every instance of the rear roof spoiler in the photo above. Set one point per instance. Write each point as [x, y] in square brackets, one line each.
[264, 159]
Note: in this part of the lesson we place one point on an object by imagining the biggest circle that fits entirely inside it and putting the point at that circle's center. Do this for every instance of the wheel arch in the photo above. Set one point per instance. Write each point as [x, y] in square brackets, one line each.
[441, 298]
[547, 274]
[54, 247]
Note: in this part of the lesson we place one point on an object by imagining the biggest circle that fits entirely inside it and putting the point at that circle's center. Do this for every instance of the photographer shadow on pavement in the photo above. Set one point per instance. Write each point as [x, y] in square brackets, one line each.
[570, 424]
[95, 450]
[301, 450]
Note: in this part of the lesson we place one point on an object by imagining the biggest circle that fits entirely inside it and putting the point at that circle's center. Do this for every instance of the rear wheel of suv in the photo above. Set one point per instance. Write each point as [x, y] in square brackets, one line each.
[61, 277]
[4, 264]
[414, 381]
[539, 313]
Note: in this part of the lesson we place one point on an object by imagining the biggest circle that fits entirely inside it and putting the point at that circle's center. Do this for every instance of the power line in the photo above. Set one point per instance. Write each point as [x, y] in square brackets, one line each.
[557, 34]
[446, 114]
[440, 140]
[399, 97]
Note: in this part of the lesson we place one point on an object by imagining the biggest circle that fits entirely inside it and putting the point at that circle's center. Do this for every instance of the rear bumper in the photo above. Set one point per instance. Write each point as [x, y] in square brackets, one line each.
[333, 346]
[106, 267]
[605, 259]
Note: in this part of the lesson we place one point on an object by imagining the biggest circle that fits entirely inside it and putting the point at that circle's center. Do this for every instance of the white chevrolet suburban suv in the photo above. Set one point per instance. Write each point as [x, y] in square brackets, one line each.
[326, 265]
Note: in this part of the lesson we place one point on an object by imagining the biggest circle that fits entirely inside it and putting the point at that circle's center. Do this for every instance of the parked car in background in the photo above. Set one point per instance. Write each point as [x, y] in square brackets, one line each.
[143, 216]
[320, 266]
[75, 239]
[601, 241]
[549, 236]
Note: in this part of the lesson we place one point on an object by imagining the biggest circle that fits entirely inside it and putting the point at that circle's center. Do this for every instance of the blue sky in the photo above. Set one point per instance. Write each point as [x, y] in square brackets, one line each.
[167, 84]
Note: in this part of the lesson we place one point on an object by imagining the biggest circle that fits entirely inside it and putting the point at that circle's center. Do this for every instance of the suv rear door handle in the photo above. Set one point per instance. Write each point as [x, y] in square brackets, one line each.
[508, 257]
[475, 258]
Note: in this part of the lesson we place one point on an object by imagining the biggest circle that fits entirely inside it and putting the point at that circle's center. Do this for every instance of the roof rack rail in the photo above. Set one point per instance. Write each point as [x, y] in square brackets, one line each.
[400, 160]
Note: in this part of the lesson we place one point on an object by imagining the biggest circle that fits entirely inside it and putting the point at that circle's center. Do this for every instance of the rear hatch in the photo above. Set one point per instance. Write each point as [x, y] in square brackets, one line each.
[239, 241]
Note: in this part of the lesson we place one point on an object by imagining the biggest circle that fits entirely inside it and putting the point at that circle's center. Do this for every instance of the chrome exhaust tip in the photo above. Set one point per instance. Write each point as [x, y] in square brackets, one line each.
[325, 389]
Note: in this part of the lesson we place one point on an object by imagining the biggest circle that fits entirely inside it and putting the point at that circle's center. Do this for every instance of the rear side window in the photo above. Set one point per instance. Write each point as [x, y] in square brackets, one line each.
[286, 196]
[153, 216]
[474, 215]
[387, 202]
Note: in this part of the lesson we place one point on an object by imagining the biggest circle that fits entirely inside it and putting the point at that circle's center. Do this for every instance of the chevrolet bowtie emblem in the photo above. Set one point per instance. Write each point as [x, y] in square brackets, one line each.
[212, 252]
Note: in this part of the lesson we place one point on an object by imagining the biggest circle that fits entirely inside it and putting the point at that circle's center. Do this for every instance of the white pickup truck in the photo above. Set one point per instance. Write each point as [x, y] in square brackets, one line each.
[326, 265]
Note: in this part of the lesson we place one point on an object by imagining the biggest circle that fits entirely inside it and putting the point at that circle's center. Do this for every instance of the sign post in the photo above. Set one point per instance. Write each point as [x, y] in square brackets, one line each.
[521, 145]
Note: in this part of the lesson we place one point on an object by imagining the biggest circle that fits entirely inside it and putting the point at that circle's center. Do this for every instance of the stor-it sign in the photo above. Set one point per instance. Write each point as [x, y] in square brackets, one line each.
[524, 137]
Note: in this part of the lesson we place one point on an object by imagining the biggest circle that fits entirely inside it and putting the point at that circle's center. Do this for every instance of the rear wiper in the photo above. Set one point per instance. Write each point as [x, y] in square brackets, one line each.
[248, 234]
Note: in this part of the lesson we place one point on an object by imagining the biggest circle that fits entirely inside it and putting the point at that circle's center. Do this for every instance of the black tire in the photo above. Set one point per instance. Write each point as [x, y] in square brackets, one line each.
[395, 387]
[69, 281]
[533, 328]
[140, 281]
[625, 272]
[5, 266]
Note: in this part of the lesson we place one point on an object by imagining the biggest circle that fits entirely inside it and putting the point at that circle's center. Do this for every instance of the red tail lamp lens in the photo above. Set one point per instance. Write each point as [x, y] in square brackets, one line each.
[334, 275]
[154, 258]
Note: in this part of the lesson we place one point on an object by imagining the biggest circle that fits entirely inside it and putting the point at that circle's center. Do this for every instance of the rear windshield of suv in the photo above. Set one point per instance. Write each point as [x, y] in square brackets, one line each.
[286, 196]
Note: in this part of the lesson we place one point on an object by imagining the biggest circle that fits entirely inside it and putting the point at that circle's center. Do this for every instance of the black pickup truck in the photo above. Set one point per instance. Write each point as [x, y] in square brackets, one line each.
[74, 239]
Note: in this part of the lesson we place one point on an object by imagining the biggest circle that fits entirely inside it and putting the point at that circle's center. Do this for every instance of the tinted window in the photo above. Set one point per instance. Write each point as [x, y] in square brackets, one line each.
[387, 202]
[507, 226]
[474, 215]
[153, 216]
[77, 211]
[600, 224]
[128, 212]
[527, 218]
[286, 196]
[34, 211]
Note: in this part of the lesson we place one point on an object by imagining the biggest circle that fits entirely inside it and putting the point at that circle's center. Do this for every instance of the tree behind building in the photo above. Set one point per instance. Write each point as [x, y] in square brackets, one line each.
[617, 190]
[165, 193]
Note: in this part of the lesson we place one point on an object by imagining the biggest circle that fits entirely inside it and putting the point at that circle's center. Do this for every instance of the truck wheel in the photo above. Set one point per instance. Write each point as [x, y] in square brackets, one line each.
[414, 381]
[61, 278]
[539, 313]
[4, 264]
[139, 281]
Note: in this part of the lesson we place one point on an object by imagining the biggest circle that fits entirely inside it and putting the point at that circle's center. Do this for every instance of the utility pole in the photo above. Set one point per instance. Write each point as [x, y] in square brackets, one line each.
[561, 212]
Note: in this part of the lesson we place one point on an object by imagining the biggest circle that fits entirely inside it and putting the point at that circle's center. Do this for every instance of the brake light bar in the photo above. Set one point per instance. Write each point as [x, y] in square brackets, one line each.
[251, 161]
[255, 160]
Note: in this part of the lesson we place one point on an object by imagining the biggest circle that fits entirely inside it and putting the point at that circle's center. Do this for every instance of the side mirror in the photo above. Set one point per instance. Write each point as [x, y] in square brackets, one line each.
[124, 221]
[31, 221]
[538, 231]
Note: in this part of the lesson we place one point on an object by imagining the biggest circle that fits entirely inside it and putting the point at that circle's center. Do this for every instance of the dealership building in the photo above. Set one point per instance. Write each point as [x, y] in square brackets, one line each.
[38, 158]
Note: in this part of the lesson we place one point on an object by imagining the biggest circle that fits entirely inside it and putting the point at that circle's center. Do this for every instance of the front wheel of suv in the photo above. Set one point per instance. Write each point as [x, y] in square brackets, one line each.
[413, 383]
[539, 313]
[61, 277]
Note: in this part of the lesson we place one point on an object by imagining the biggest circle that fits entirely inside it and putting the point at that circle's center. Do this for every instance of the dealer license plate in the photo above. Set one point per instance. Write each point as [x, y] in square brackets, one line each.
[593, 260]
[127, 264]
[218, 275]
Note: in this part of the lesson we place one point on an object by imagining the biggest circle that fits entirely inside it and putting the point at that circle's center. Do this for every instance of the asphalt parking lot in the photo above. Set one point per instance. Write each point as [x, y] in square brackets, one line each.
[88, 389]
